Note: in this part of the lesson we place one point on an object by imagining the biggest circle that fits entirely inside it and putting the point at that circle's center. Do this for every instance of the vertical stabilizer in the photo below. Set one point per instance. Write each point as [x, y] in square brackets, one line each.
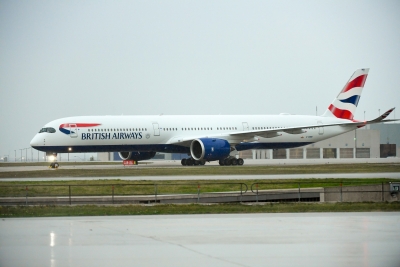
[345, 104]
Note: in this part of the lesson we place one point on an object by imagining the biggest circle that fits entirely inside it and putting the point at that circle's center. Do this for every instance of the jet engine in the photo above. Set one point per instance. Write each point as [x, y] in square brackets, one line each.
[136, 155]
[209, 149]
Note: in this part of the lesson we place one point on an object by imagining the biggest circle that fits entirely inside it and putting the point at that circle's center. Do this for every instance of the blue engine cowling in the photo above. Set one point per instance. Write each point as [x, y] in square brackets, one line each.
[209, 149]
[136, 155]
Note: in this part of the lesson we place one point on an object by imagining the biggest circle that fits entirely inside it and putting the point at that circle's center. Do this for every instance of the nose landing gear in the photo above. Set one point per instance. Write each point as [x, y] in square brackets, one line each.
[54, 165]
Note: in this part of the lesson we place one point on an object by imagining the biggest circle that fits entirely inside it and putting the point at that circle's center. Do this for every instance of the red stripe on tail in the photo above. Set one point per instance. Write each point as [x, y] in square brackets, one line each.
[340, 113]
[357, 82]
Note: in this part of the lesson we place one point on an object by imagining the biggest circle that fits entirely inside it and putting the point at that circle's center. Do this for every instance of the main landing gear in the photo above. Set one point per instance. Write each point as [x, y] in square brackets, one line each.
[231, 161]
[191, 162]
[222, 162]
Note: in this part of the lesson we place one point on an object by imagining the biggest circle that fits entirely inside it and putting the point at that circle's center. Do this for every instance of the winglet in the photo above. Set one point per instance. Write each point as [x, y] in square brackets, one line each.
[382, 117]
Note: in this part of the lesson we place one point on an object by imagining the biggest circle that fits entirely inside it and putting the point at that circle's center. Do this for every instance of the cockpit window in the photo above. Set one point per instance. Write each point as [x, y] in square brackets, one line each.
[47, 130]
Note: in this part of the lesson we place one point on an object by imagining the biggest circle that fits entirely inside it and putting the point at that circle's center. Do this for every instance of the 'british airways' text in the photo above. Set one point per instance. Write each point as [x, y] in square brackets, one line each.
[103, 136]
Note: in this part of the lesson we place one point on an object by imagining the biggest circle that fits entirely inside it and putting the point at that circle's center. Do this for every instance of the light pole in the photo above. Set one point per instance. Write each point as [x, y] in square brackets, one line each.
[21, 153]
[15, 157]
[355, 143]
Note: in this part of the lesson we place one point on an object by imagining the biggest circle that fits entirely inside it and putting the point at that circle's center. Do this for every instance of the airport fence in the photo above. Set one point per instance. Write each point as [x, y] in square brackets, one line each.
[121, 193]
[150, 193]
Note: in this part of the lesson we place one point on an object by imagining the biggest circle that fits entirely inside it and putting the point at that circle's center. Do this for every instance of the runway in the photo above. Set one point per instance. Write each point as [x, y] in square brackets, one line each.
[305, 239]
[177, 164]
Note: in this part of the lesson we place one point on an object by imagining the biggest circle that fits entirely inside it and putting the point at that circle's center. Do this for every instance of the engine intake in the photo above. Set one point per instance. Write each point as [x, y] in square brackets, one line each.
[209, 149]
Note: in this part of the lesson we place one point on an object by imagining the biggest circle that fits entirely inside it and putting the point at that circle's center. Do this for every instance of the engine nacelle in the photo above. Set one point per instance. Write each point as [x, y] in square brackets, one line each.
[209, 149]
[136, 155]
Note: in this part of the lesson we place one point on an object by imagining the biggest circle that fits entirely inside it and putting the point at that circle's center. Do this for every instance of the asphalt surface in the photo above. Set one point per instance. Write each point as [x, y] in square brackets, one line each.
[297, 239]
[177, 164]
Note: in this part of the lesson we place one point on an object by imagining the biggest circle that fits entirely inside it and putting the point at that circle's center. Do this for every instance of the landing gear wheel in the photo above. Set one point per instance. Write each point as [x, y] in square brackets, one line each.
[240, 161]
[202, 162]
[234, 162]
[189, 162]
[196, 163]
[227, 162]
[221, 162]
[54, 165]
[183, 162]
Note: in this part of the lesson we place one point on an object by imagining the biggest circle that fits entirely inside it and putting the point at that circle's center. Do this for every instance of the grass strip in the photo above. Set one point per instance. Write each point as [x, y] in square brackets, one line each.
[173, 209]
[121, 187]
[205, 170]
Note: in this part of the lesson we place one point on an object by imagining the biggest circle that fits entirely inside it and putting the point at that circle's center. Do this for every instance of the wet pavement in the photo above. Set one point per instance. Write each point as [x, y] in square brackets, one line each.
[296, 239]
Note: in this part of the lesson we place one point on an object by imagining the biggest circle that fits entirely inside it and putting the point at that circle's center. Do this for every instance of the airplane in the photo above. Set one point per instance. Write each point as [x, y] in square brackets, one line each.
[204, 138]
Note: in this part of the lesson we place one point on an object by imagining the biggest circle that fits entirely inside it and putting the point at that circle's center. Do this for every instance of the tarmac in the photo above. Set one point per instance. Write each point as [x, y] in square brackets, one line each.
[296, 239]
[177, 164]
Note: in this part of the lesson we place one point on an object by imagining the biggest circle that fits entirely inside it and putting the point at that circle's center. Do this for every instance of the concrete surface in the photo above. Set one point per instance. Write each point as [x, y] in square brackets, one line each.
[302, 239]
[176, 163]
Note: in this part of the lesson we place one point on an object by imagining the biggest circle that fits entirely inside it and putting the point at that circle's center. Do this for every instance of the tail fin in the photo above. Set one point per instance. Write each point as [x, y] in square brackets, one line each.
[345, 104]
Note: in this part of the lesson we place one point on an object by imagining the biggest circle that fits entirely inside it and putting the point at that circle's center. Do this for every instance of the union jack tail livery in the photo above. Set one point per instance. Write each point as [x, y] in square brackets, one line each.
[345, 104]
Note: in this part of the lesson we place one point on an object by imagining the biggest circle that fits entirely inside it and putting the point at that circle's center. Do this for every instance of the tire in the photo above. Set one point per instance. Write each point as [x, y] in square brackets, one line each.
[234, 162]
[227, 162]
[183, 162]
[240, 161]
[221, 162]
[196, 163]
[189, 162]
[202, 162]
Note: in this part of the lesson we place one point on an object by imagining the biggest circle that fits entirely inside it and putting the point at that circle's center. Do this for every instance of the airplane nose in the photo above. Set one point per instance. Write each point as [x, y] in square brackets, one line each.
[34, 142]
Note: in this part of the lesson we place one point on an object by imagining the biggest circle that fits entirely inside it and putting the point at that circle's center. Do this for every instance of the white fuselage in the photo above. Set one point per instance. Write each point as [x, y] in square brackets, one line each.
[173, 133]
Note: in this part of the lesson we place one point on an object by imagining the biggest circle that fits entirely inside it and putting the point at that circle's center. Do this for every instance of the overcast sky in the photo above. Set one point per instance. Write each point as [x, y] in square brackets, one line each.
[69, 58]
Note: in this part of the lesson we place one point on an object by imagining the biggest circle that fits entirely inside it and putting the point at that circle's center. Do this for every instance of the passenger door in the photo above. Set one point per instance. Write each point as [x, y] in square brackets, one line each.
[320, 129]
[73, 130]
[156, 129]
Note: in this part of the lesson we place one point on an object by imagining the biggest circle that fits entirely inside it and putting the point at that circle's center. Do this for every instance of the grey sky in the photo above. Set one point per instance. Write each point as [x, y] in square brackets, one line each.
[68, 58]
